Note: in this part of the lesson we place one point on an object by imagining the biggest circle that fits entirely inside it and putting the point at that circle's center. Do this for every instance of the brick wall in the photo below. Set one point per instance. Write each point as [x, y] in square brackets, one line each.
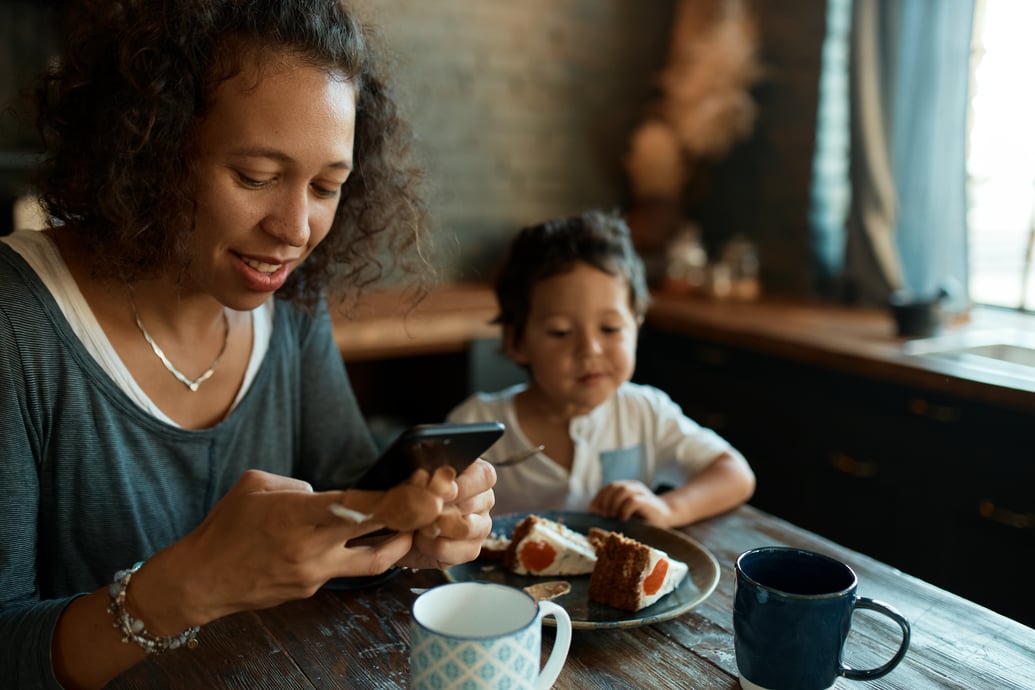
[524, 110]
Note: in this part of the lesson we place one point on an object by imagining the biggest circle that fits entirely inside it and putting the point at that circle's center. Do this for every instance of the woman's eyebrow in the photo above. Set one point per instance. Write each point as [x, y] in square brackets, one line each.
[281, 157]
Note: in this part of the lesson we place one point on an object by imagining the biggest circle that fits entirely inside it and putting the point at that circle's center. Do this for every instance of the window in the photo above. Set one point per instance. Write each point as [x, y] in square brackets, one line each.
[1001, 156]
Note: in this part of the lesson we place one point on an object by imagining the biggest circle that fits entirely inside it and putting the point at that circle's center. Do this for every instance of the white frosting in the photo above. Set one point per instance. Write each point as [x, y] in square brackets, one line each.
[677, 570]
[575, 556]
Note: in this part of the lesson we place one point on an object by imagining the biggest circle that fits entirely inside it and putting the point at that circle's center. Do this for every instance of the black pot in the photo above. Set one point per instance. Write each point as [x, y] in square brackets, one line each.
[917, 318]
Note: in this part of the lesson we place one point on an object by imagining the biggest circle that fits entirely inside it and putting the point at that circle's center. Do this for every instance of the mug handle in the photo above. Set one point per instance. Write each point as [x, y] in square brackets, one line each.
[561, 643]
[890, 612]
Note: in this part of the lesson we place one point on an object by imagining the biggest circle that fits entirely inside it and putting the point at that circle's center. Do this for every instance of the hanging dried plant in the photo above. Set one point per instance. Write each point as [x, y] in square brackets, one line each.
[708, 79]
[655, 162]
[706, 104]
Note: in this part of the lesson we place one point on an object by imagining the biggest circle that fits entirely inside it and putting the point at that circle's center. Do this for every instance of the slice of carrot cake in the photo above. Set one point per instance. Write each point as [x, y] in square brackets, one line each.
[539, 546]
[630, 575]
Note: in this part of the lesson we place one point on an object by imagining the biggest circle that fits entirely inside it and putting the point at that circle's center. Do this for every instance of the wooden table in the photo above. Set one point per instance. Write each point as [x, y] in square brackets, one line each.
[359, 639]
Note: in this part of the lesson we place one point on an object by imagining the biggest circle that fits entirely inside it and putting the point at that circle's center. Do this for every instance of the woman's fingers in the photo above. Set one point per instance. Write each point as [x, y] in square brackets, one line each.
[443, 483]
[457, 534]
[258, 480]
[375, 556]
[467, 532]
[411, 505]
[478, 478]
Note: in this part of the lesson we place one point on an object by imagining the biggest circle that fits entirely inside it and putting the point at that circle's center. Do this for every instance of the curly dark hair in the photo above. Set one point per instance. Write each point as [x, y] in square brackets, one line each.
[538, 252]
[117, 115]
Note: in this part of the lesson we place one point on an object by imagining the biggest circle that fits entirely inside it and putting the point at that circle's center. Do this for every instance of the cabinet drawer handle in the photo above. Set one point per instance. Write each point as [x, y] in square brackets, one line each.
[1004, 516]
[939, 413]
[712, 355]
[715, 421]
[846, 464]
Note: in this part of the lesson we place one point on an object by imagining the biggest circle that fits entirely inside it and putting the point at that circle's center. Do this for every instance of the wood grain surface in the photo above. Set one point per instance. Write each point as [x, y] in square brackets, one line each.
[359, 639]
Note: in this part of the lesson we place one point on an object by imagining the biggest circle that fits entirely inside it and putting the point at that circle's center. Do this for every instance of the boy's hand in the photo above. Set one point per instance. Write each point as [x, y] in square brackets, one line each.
[628, 498]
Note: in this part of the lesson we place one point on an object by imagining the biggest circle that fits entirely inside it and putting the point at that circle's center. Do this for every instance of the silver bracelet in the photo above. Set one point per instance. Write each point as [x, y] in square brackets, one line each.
[133, 629]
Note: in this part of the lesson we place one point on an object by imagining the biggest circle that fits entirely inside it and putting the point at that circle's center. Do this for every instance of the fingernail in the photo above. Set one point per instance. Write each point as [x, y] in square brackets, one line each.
[348, 514]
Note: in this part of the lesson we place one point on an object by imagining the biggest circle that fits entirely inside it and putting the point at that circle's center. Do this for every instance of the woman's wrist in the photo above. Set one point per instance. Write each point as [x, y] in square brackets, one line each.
[133, 628]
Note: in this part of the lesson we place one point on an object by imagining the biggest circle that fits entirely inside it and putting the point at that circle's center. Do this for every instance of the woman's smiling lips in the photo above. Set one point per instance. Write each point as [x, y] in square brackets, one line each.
[263, 274]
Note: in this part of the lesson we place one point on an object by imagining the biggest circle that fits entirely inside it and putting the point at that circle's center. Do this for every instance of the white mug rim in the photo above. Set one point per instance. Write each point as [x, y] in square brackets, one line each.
[506, 633]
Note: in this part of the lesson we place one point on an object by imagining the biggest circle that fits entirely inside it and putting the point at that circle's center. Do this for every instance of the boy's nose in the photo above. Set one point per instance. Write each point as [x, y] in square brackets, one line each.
[589, 344]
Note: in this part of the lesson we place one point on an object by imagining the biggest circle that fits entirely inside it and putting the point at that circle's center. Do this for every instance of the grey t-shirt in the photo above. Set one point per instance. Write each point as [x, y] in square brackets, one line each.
[91, 483]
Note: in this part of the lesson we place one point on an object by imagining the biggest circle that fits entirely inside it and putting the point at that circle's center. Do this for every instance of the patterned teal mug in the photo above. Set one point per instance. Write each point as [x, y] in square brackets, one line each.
[482, 635]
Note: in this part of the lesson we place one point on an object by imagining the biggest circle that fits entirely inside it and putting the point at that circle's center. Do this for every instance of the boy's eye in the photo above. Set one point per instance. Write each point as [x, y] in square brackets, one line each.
[557, 332]
[611, 329]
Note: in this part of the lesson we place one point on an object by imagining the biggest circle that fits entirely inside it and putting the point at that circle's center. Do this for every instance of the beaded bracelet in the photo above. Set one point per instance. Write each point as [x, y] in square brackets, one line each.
[133, 629]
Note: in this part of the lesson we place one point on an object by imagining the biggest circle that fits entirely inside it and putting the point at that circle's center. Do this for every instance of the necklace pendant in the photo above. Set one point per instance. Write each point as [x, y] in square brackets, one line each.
[194, 384]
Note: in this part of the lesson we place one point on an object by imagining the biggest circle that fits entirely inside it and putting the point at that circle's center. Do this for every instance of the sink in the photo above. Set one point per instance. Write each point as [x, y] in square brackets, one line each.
[1009, 352]
[1003, 352]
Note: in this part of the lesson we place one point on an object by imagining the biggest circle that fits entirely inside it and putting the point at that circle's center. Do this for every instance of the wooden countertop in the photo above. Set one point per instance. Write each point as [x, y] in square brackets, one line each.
[853, 340]
[386, 324]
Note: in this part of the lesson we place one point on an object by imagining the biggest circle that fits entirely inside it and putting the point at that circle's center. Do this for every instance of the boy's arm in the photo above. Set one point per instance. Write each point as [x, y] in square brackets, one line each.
[725, 484]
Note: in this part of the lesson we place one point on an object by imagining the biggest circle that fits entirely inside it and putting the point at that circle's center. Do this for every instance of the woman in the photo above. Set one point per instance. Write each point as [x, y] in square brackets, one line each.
[172, 391]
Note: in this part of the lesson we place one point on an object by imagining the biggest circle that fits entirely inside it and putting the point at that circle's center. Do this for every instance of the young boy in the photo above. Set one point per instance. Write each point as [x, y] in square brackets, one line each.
[572, 296]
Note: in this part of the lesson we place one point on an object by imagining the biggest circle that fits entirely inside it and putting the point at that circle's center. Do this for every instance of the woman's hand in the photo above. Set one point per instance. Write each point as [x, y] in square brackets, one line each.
[629, 498]
[457, 535]
[270, 539]
[412, 505]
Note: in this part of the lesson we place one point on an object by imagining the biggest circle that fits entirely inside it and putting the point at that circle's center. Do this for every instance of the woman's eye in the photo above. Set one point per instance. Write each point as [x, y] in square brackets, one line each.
[611, 329]
[325, 192]
[251, 182]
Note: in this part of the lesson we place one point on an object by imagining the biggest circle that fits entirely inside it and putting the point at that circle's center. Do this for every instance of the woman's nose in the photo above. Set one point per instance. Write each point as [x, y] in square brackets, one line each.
[288, 221]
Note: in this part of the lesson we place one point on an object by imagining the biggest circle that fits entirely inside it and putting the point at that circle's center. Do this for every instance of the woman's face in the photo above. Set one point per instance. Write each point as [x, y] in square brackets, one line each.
[579, 342]
[274, 152]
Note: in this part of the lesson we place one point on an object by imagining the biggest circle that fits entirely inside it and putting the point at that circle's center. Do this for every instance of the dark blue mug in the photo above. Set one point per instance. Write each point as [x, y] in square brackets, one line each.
[791, 615]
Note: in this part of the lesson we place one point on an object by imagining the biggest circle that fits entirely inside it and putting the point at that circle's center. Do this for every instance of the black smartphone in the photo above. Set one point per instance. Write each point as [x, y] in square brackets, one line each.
[430, 446]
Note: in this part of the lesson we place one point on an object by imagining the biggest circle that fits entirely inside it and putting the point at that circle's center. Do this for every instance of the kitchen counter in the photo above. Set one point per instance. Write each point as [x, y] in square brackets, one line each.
[853, 340]
[384, 325]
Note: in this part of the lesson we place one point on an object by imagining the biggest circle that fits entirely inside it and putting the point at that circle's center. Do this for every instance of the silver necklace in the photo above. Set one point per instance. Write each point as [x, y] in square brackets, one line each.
[192, 384]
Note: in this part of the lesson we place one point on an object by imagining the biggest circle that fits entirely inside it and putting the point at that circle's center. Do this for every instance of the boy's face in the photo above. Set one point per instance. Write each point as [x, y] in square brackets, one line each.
[580, 340]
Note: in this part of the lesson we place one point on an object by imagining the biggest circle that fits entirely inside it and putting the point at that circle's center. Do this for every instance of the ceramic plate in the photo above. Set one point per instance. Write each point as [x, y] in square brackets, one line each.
[695, 588]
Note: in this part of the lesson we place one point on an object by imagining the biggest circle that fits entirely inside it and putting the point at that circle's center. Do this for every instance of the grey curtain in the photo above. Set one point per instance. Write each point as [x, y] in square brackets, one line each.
[906, 228]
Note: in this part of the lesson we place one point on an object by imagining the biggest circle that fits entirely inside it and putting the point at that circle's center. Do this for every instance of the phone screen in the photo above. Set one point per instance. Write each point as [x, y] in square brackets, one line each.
[430, 446]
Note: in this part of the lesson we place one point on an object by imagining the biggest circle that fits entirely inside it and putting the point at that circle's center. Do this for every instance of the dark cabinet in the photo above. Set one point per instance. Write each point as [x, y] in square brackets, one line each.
[936, 486]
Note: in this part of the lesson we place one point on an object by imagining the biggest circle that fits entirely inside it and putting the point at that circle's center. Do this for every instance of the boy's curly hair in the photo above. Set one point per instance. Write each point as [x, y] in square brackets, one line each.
[597, 238]
[118, 113]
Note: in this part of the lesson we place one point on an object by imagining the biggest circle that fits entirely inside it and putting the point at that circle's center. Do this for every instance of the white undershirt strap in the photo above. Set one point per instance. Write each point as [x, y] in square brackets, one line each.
[42, 255]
